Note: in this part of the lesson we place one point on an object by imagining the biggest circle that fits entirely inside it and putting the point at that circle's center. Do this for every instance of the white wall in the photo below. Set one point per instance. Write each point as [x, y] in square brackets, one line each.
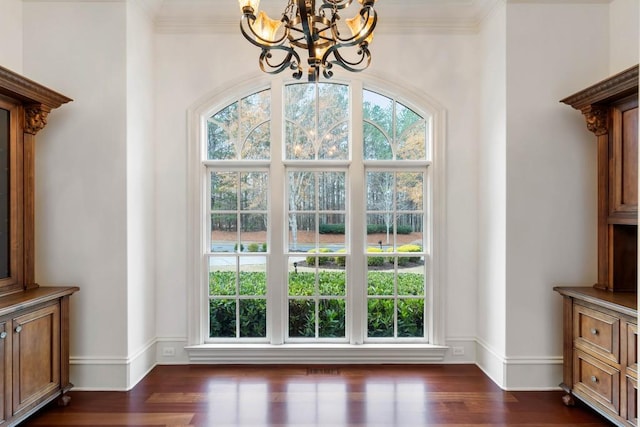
[11, 35]
[624, 37]
[491, 198]
[79, 49]
[551, 176]
[140, 192]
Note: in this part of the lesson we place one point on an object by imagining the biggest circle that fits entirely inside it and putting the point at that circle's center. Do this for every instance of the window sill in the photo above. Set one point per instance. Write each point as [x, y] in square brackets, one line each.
[315, 353]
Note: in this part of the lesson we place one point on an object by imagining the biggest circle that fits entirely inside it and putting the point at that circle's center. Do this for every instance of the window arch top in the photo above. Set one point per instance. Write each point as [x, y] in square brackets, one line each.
[317, 121]
[393, 131]
[241, 130]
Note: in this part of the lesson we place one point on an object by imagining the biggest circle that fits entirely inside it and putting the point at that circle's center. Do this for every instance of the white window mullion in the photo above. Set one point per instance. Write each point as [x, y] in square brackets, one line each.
[356, 233]
[277, 261]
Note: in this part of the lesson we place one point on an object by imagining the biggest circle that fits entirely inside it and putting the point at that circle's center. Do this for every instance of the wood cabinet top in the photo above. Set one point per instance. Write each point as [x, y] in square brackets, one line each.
[31, 297]
[616, 86]
[623, 302]
[16, 86]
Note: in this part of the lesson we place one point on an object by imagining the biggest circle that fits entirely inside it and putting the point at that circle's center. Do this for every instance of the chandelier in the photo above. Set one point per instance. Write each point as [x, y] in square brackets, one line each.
[319, 32]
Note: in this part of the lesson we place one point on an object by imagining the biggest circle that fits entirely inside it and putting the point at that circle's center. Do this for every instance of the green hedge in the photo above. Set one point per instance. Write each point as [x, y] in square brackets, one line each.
[371, 229]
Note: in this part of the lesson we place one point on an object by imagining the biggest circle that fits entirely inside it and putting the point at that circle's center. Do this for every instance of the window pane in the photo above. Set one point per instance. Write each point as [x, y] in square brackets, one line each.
[222, 133]
[410, 229]
[332, 230]
[302, 284]
[378, 109]
[258, 144]
[377, 145]
[331, 191]
[331, 319]
[302, 186]
[254, 187]
[380, 190]
[380, 318]
[253, 318]
[302, 318]
[412, 145]
[222, 318]
[379, 283]
[411, 318]
[253, 282]
[335, 144]
[253, 231]
[410, 283]
[222, 276]
[317, 121]
[332, 283]
[405, 119]
[255, 110]
[224, 194]
[410, 191]
[302, 232]
[224, 235]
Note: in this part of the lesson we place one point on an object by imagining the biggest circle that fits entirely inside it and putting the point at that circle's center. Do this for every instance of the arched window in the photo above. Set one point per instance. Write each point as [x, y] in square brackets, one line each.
[317, 220]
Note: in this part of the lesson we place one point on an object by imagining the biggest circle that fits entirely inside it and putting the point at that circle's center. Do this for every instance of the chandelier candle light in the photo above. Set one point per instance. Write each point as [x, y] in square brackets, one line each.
[317, 32]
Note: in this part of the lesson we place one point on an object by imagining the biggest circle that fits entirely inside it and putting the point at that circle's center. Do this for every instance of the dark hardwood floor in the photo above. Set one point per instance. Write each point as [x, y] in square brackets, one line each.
[412, 396]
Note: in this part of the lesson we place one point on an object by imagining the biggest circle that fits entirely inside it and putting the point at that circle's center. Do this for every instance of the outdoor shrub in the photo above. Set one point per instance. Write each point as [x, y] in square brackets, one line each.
[311, 260]
[382, 228]
[222, 318]
[235, 247]
[253, 247]
[331, 319]
[340, 260]
[263, 248]
[374, 261]
[302, 322]
[331, 229]
[411, 248]
[253, 318]
[411, 318]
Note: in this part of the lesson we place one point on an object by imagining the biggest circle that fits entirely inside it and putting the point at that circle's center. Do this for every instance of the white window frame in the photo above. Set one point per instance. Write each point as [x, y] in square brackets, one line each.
[277, 351]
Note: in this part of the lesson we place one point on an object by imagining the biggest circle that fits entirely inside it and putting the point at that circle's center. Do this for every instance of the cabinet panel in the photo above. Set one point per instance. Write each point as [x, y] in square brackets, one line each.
[36, 356]
[5, 370]
[596, 332]
[624, 158]
[632, 349]
[632, 401]
[597, 381]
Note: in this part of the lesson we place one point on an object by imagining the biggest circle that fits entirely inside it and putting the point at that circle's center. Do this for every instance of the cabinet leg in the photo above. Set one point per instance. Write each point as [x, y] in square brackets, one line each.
[64, 400]
[568, 400]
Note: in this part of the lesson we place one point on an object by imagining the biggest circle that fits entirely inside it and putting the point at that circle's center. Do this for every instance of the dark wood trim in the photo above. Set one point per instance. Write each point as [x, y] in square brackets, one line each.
[621, 84]
[28, 91]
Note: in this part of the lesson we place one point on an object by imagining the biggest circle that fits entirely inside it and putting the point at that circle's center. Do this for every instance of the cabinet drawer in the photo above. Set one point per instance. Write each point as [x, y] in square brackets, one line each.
[596, 381]
[596, 332]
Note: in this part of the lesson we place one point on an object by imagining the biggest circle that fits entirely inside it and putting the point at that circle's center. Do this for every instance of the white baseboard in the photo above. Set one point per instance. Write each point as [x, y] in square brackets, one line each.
[122, 374]
[519, 373]
[112, 373]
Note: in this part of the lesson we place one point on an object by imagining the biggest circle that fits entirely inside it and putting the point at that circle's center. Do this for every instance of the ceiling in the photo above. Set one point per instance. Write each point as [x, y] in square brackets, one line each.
[213, 15]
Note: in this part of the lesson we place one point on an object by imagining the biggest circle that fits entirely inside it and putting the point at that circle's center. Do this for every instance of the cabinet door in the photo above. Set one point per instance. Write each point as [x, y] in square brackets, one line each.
[36, 356]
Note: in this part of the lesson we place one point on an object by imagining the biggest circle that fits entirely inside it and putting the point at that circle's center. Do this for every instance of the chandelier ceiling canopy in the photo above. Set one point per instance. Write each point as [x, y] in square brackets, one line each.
[320, 32]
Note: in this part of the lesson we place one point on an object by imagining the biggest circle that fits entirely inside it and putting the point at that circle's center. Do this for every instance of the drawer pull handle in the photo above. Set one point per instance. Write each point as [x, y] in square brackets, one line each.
[594, 379]
[18, 329]
[594, 331]
[3, 335]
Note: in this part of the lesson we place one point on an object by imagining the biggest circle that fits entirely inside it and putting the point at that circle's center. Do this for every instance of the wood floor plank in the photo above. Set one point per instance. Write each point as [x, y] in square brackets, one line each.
[299, 396]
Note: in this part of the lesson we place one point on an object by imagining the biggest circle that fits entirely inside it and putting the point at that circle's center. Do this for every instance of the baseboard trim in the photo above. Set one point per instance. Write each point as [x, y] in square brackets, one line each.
[519, 373]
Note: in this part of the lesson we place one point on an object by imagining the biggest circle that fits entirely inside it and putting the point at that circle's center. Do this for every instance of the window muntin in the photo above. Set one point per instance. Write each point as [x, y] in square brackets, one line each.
[317, 296]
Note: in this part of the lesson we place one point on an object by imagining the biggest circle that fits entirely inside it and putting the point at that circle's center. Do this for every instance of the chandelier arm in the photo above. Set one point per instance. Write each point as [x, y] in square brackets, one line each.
[353, 66]
[255, 38]
[291, 60]
[367, 13]
[306, 28]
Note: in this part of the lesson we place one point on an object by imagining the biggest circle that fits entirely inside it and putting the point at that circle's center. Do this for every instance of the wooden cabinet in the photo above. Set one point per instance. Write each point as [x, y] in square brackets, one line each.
[600, 322]
[611, 112]
[600, 342]
[34, 320]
